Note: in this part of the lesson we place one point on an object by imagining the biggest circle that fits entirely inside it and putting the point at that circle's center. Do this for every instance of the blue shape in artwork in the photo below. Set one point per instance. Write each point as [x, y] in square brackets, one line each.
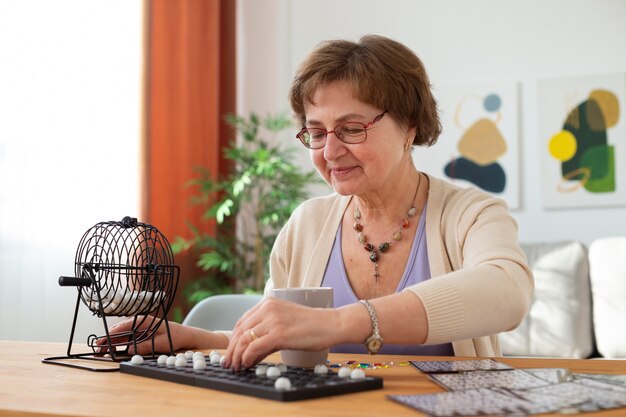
[488, 177]
[492, 102]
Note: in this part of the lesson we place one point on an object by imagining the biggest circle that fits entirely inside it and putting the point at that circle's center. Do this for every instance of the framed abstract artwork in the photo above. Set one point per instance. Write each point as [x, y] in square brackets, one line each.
[479, 144]
[582, 135]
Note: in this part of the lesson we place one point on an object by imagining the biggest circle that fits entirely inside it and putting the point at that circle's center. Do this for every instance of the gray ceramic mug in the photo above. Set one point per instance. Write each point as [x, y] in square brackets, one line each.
[320, 297]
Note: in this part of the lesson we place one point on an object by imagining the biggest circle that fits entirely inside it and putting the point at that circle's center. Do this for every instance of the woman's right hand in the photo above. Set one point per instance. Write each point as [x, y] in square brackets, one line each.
[183, 337]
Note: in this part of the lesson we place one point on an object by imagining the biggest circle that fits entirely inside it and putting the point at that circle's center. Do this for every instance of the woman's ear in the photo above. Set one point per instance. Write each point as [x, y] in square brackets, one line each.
[409, 138]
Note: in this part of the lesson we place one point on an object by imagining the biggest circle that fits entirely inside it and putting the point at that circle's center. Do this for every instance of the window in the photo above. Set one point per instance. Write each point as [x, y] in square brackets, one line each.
[70, 128]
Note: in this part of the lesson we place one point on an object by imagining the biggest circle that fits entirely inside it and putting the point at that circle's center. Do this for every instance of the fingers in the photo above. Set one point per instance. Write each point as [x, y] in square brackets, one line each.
[257, 349]
[251, 347]
[251, 341]
[244, 334]
[253, 335]
[121, 334]
[126, 326]
[274, 325]
[239, 347]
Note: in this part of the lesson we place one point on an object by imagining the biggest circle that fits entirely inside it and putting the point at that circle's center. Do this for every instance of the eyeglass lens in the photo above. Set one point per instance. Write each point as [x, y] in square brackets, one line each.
[350, 132]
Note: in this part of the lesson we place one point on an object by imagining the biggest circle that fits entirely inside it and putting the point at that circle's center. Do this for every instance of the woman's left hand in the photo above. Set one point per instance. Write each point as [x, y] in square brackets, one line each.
[275, 324]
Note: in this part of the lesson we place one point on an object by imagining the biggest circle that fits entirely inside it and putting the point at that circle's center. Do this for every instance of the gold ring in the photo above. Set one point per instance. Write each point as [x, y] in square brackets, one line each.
[253, 335]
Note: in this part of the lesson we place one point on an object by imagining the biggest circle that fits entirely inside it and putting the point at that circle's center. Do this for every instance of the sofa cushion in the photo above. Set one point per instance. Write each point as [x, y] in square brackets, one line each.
[607, 263]
[559, 323]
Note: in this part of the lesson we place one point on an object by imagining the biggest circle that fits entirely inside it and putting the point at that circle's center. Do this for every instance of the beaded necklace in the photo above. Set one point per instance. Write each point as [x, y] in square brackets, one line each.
[383, 247]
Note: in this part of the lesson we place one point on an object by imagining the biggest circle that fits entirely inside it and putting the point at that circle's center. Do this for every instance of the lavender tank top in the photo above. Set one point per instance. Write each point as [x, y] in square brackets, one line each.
[417, 270]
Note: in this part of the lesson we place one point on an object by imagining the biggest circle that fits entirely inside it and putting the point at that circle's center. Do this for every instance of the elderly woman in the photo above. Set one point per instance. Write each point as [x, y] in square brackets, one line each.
[437, 267]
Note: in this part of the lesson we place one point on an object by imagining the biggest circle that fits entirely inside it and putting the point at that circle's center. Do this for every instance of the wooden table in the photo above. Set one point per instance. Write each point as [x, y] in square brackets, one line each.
[31, 388]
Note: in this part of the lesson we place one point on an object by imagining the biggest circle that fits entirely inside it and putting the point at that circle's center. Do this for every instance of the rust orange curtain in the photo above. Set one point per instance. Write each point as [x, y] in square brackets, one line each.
[189, 87]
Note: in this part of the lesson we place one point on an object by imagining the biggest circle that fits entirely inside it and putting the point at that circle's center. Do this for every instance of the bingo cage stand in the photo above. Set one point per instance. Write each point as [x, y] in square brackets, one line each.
[122, 269]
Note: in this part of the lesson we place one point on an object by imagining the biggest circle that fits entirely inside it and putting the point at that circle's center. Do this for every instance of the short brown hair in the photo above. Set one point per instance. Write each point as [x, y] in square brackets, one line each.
[382, 72]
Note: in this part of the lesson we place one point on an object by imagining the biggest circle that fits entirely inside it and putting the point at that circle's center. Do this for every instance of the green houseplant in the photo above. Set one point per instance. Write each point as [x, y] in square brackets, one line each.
[256, 197]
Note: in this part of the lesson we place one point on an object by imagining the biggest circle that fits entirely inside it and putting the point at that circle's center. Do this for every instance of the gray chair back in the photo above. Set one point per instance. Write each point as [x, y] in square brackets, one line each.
[221, 312]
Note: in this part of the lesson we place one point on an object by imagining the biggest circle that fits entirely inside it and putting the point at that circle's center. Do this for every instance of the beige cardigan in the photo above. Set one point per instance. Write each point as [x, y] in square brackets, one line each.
[481, 283]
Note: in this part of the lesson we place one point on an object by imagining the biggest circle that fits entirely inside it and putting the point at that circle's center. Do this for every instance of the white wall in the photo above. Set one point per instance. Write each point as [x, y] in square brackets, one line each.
[70, 123]
[459, 41]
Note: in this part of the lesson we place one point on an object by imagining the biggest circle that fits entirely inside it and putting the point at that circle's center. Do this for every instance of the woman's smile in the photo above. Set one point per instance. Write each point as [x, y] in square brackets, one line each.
[342, 172]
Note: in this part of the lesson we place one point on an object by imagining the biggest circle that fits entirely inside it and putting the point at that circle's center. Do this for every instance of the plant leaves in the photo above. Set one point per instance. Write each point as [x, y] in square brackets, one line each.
[264, 185]
[223, 210]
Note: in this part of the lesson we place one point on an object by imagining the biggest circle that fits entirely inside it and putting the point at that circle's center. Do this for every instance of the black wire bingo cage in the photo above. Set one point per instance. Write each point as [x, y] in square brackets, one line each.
[122, 269]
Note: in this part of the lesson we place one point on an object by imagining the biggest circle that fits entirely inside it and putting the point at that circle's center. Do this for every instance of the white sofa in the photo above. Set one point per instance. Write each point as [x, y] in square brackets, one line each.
[579, 307]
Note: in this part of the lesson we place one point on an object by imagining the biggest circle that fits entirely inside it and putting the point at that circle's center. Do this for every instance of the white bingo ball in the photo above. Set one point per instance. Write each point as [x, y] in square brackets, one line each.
[199, 365]
[132, 306]
[110, 308]
[282, 384]
[261, 370]
[215, 359]
[126, 296]
[136, 360]
[357, 374]
[140, 295]
[162, 360]
[118, 297]
[282, 367]
[213, 352]
[171, 361]
[189, 354]
[158, 295]
[180, 362]
[344, 372]
[273, 372]
[181, 355]
[320, 369]
[197, 355]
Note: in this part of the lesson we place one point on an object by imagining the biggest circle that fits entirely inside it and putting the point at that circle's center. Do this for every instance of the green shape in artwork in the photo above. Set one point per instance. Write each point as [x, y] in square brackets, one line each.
[577, 123]
[601, 162]
[596, 159]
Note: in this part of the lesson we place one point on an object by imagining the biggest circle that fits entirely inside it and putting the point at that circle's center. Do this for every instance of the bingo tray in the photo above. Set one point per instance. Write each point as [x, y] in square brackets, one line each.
[305, 384]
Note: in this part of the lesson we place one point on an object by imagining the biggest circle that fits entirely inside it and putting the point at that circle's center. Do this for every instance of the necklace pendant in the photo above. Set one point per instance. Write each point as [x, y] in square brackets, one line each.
[384, 246]
[405, 223]
[412, 212]
[397, 236]
[368, 247]
[376, 274]
[374, 256]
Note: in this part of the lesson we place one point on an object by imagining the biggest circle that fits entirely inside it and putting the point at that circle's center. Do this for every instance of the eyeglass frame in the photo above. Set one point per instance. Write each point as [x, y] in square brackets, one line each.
[366, 126]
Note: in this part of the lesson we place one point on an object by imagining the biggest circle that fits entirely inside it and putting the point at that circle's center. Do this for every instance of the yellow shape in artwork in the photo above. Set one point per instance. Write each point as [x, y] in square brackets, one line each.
[609, 106]
[563, 145]
[482, 143]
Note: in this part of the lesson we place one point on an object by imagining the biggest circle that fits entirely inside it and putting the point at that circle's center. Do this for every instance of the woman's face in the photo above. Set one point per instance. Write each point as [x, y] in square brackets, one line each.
[362, 168]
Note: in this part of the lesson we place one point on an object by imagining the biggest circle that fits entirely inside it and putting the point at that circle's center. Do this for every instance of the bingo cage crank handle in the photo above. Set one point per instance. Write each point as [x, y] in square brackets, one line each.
[74, 282]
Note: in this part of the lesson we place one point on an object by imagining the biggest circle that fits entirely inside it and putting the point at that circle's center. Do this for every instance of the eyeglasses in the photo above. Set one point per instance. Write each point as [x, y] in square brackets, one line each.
[348, 132]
